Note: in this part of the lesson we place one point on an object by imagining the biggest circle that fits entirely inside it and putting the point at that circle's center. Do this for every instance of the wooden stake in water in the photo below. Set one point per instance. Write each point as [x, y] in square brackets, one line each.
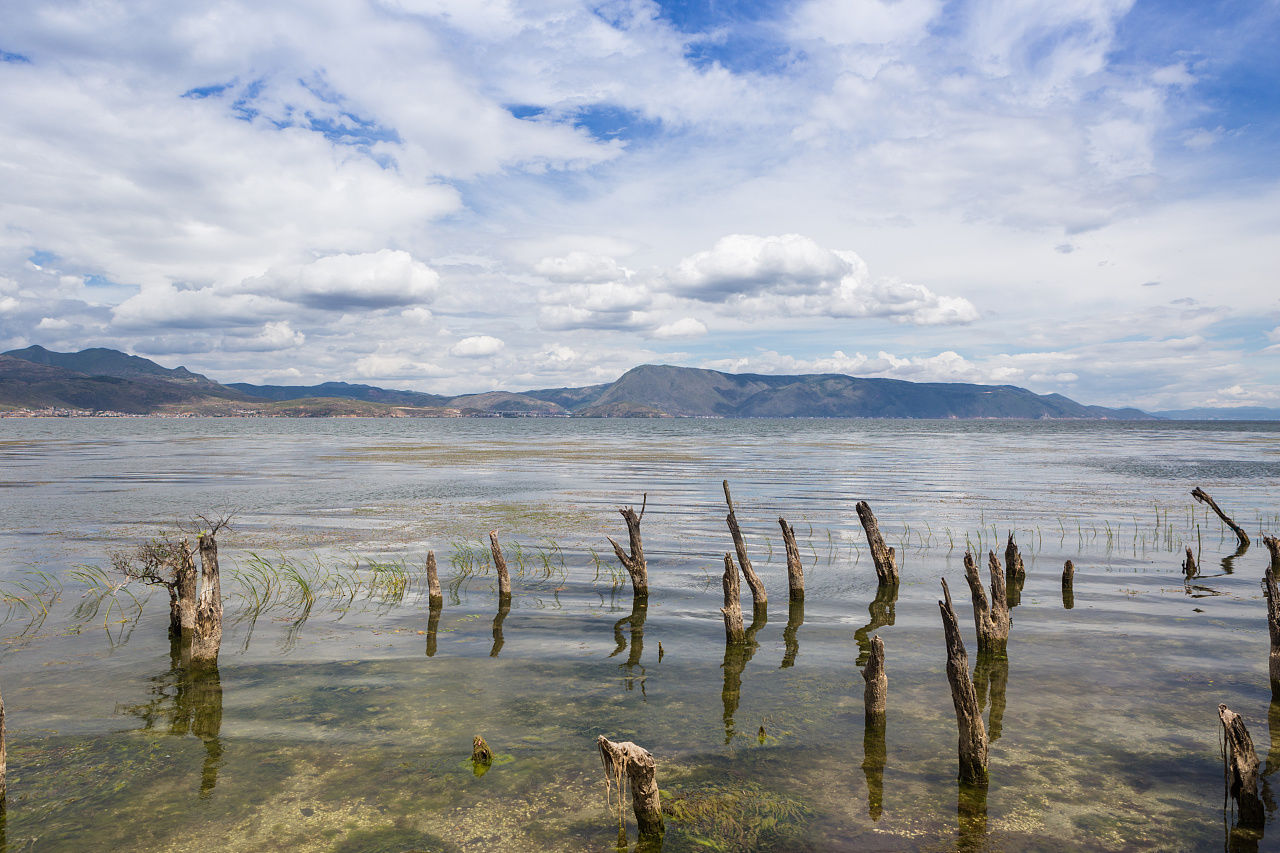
[638, 765]
[1068, 589]
[991, 619]
[732, 610]
[634, 562]
[206, 640]
[758, 596]
[795, 569]
[1203, 497]
[1189, 565]
[1273, 626]
[500, 563]
[876, 693]
[1242, 769]
[1273, 546]
[972, 746]
[885, 559]
[434, 597]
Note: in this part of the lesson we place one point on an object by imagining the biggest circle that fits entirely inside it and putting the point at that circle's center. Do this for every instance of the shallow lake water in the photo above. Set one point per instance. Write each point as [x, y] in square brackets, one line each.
[347, 724]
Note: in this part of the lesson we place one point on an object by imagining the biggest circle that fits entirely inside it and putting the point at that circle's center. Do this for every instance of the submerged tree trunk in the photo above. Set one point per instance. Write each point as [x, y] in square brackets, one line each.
[795, 569]
[1203, 497]
[4, 757]
[875, 694]
[1189, 565]
[972, 746]
[634, 562]
[991, 619]
[207, 638]
[732, 610]
[884, 559]
[638, 765]
[1242, 769]
[500, 564]
[434, 597]
[1273, 625]
[758, 596]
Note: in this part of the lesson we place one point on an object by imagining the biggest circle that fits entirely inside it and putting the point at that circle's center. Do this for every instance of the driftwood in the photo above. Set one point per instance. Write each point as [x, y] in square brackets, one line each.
[885, 559]
[434, 595]
[790, 634]
[758, 596]
[1269, 588]
[991, 619]
[876, 693]
[972, 746]
[500, 563]
[732, 610]
[634, 562]
[1068, 585]
[795, 569]
[1242, 769]
[1203, 497]
[206, 639]
[883, 614]
[1189, 565]
[638, 765]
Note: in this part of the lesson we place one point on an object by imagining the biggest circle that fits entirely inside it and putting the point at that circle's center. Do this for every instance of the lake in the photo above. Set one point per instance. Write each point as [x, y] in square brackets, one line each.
[345, 722]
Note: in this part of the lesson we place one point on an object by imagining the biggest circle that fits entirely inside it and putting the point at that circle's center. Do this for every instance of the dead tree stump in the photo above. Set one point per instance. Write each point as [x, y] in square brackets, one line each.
[795, 569]
[972, 746]
[884, 559]
[1273, 625]
[500, 563]
[1273, 547]
[1203, 497]
[1242, 769]
[1068, 588]
[991, 619]
[732, 610]
[758, 596]
[876, 693]
[634, 562]
[206, 640]
[1015, 573]
[434, 596]
[1189, 565]
[638, 765]
[186, 580]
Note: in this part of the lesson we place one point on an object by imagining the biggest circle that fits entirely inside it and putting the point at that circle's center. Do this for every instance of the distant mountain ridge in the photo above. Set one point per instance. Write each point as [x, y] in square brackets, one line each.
[104, 379]
[1236, 413]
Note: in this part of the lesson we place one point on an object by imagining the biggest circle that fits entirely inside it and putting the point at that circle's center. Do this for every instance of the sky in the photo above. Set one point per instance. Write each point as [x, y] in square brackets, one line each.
[1072, 196]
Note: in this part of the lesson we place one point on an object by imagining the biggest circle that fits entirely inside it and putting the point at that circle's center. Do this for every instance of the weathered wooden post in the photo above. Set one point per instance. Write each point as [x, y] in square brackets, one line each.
[435, 601]
[884, 559]
[638, 765]
[185, 584]
[1242, 769]
[876, 692]
[1273, 547]
[1203, 497]
[732, 610]
[875, 698]
[972, 745]
[1068, 585]
[1272, 593]
[634, 562]
[758, 596]
[1189, 565]
[991, 620]
[500, 563]
[1015, 573]
[206, 640]
[795, 569]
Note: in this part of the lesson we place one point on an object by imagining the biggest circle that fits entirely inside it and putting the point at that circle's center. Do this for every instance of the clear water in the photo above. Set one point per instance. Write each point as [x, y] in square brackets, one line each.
[351, 729]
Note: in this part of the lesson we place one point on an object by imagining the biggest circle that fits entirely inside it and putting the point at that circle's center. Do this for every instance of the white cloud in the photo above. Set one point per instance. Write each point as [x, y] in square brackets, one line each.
[685, 327]
[377, 366]
[581, 267]
[274, 336]
[477, 346]
[383, 279]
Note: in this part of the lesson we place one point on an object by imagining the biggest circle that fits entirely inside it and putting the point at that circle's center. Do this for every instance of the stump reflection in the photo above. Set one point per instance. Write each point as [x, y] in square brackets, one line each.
[736, 658]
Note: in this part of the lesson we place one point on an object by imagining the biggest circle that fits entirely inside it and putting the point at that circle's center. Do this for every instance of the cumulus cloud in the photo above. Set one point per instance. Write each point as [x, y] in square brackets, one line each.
[793, 275]
[581, 268]
[379, 366]
[274, 336]
[383, 279]
[608, 305]
[685, 327]
[477, 346]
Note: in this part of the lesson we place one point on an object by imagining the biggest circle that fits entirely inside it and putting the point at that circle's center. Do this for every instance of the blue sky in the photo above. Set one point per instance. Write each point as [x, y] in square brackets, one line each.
[1080, 196]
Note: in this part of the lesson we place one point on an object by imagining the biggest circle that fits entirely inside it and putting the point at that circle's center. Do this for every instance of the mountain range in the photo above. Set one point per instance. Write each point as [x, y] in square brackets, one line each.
[108, 380]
